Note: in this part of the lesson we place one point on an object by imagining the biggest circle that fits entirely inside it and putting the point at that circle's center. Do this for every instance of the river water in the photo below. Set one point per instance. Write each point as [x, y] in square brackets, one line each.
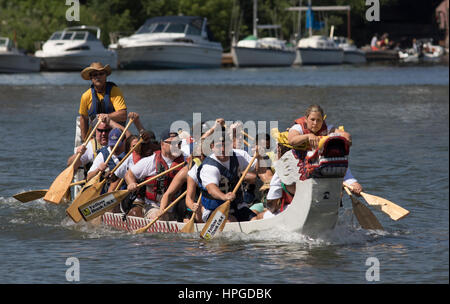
[398, 117]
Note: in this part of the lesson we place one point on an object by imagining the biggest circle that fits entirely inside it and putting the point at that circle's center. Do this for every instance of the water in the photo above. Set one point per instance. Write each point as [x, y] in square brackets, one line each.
[399, 120]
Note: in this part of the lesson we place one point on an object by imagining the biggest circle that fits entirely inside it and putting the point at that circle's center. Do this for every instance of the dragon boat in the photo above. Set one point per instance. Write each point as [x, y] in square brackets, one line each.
[314, 209]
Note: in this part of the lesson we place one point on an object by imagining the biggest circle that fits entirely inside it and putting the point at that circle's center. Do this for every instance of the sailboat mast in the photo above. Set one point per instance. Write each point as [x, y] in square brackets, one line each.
[310, 23]
[255, 18]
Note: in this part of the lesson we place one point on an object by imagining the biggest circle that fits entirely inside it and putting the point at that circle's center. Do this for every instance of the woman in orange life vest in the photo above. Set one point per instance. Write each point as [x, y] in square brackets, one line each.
[305, 133]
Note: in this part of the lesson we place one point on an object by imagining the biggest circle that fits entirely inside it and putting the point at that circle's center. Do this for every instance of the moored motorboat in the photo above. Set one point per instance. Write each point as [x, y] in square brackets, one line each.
[319, 50]
[263, 52]
[74, 48]
[170, 42]
[13, 61]
[352, 54]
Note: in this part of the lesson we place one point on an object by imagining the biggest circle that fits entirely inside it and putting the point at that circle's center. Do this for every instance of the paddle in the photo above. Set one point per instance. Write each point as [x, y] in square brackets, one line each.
[365, 217]
[394, 211]
[99, 205]
[62, 182]
[217, 219]
[146, 227]
[189, 226]
[33, 195]
[95, 190]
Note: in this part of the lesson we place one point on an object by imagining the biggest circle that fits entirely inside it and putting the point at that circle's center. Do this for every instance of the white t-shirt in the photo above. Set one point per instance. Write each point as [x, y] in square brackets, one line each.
[88, 155]
[211, 174]
[192, 173]
[146, 167]
[99, 159]
[275, 190]
[124, 167]
[348, 178]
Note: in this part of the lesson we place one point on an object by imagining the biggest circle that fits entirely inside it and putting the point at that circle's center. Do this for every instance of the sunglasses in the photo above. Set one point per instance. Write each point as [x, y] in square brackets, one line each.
[103, 130]
[97, 74]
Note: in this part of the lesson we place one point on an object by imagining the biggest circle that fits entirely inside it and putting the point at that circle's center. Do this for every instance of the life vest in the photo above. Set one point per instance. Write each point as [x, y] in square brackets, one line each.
[156, 188]
[302, 121]
[229, 179]
[101, 106]
[286, 197]
[111, 164]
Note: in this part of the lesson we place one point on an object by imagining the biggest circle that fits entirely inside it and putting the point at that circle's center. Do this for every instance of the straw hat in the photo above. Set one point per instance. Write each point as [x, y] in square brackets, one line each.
[95, 66]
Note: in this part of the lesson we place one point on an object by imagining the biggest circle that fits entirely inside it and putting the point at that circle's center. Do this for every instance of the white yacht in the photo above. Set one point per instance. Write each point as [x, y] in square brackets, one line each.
[268, 51]
[170, 42]
[13, 61]
[352, 54]
[319, 50]
[259, 52]
[75, 48]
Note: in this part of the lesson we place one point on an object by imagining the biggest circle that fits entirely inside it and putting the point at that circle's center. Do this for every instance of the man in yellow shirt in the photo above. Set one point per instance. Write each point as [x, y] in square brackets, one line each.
[102, 97]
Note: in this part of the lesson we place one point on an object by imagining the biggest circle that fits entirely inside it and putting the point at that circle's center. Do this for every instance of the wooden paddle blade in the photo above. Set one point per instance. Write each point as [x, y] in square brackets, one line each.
[216, 221]
[189, 226]
[29, 196]
[394, 211]
[102, 204]
[365, 217]
[59, 186]
[92, 181]
[84, 196]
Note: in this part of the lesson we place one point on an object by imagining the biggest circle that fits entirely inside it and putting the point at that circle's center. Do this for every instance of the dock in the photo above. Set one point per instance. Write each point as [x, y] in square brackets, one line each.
[227, 60]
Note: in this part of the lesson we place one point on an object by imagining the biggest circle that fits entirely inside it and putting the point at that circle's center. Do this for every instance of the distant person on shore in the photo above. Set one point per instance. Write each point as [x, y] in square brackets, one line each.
[374, 43]
[384, 42]
[102, 97]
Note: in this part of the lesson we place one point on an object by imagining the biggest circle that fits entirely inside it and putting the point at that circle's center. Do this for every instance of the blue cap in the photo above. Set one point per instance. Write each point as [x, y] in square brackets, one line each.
[166, 134]
[114, 137]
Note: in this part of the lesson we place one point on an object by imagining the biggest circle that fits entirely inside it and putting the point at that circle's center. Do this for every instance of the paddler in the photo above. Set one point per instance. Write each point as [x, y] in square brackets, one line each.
[99, 164]
[307, 129]
[102, 97]
[218, 175]
[89, 153]
[169, 156]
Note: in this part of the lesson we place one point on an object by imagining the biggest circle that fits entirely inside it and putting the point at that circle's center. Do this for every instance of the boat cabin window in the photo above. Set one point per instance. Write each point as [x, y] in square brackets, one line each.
[67, 36]
[55, 36]
[79, 36]
[159, 28]
[91, 37]
[175, 28]
[2, 42]
[193, 30]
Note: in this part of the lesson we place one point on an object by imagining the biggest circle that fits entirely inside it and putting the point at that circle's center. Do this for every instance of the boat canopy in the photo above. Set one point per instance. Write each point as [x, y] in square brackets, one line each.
[189, 25]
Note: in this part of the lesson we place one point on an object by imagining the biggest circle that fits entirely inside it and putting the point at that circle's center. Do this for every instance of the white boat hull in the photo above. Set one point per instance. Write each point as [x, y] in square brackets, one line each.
[354, 57]
[317, 56]
[314, 210]
[177, 55]
[18, 63]
[77, 61]
[261, 57]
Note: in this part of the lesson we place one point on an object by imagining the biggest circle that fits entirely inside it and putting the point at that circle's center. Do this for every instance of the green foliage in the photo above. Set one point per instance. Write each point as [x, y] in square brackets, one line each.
[36, 20]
